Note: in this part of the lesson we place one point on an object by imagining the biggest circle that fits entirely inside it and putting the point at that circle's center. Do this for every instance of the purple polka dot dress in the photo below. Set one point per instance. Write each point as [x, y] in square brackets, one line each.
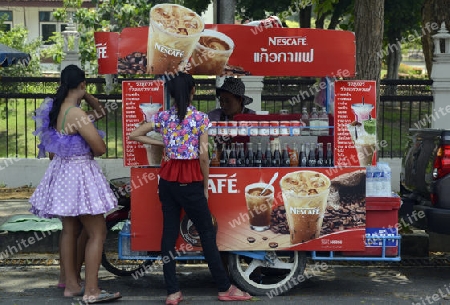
[73, 184]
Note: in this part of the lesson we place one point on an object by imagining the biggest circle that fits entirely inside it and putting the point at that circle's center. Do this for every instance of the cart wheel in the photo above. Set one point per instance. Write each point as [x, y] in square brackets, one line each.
[273, 276]
[110, 256]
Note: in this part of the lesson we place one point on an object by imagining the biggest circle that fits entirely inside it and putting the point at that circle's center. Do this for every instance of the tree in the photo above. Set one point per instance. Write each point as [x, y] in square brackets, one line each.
[401, 24]
[434, 12]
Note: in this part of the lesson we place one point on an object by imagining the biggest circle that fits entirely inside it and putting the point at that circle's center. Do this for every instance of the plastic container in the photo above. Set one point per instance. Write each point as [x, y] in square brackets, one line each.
[212, 131]
[381, 220]
[125, 236]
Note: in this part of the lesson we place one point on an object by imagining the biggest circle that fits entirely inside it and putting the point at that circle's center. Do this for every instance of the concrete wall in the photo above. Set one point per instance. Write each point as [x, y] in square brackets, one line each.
[19, 172]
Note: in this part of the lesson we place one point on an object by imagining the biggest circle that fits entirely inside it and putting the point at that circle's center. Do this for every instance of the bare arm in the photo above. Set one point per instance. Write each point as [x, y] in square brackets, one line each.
[98, 110]
[204, 161]
[140, 134]
[88, 131]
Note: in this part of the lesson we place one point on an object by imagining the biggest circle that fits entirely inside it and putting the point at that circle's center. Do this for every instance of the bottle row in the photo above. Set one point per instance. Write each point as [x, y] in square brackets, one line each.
[309, 155]
[316, 123]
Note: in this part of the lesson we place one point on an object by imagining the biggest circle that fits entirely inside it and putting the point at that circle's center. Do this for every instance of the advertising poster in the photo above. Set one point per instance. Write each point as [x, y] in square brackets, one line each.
[355, 123]
[229, 49]
[304, 209]
[140, 100]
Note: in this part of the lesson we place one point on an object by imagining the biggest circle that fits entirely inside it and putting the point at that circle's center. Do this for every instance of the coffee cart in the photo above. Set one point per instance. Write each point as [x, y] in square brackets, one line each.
[320, 212]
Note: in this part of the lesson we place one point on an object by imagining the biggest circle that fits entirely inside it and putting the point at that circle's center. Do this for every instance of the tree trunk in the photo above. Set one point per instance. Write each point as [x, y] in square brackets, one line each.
[304, 17]
[369, 25]
[434, 12]
[394, 58]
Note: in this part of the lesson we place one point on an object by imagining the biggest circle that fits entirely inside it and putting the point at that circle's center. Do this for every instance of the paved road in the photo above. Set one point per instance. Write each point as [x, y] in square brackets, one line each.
[336, 285]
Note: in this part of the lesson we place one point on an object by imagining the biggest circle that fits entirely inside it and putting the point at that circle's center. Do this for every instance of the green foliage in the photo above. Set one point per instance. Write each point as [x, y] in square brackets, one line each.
[17, 38]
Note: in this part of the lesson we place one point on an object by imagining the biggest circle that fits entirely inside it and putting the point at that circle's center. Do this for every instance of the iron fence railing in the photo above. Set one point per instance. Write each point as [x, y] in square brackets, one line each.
[403, 104]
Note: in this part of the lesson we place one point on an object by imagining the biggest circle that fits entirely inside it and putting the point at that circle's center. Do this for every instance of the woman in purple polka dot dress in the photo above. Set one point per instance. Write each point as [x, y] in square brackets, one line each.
[74, 188]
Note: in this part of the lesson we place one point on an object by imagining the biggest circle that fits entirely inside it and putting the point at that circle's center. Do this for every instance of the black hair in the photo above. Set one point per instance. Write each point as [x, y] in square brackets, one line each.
[180, 88]
[71, 77]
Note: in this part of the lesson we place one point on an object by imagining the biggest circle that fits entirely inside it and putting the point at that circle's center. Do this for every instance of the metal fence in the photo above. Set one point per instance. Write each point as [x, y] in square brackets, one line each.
[403, 104]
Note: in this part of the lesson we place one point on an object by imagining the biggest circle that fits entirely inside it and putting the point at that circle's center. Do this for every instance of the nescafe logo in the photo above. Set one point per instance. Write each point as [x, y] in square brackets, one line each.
[190, 233]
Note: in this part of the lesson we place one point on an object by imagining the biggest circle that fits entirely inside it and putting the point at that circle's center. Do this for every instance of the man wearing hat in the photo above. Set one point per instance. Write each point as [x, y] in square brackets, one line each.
[232, 100]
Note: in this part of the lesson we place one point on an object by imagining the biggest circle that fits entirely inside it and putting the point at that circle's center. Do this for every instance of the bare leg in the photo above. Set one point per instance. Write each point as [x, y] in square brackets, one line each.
[95, 227]
[68, 245]
[81, 246]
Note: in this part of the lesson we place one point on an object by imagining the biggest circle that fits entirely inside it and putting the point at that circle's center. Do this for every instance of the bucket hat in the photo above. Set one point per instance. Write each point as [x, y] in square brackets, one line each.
[235, 86]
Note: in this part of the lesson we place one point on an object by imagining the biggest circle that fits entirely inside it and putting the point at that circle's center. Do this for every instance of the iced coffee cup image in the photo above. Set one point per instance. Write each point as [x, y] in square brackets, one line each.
[172, 36]
[365, 148]
[149, 109]
[305, 196]
[362, 111]
[259, 205]
[356, 130]
[211, 53]
[154, 152]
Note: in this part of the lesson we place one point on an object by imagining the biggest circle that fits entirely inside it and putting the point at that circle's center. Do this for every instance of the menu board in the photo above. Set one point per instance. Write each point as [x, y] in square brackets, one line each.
[355, 123]
[140, 99]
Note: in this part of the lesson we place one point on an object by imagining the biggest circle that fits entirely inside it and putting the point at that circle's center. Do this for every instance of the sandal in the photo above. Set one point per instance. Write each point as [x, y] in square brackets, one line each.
[234, 294]
[174, 300]
[104, 296]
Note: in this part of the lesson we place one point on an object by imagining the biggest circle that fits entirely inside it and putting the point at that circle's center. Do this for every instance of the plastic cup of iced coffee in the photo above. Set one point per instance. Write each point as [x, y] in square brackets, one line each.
[149, 109]
[362, 111]
[211, 53]
[365, 148]
[356, 130]
[173, 33]
[305, 196]
[259, 205]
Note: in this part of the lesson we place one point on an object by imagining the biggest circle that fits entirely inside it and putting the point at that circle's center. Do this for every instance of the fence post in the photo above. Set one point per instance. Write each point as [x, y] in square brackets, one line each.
[440, 75]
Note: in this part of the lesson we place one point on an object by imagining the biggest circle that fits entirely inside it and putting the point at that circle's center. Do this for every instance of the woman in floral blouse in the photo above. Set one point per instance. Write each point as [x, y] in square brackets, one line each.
[183, 183]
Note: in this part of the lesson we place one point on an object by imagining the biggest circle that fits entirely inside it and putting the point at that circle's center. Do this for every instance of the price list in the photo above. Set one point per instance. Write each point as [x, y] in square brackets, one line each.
[135, 93]
[354, 111]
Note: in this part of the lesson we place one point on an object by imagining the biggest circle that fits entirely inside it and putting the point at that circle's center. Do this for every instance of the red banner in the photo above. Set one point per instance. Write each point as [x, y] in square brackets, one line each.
[140, 100]
[326, 214]
[355, 123]
[107, 44]
[249, 50]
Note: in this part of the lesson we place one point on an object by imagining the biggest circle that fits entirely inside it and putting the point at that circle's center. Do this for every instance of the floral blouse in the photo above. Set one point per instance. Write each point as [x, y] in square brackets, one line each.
[182, 141]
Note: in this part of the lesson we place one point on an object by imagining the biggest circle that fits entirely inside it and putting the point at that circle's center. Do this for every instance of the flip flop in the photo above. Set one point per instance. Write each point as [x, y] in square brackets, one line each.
[232, 296]
[77, 294]
[104, 296]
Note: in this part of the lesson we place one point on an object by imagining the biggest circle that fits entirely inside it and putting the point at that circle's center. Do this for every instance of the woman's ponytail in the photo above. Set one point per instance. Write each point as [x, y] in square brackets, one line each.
[61, 94]
[180, 88]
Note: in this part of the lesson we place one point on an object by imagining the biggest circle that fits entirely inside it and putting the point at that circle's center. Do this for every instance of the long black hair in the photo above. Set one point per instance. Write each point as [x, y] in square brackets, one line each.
[71, 77]
[180, 88]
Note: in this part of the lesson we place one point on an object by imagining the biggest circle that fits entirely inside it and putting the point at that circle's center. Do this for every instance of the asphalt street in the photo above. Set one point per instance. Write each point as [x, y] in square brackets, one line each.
[338, 284]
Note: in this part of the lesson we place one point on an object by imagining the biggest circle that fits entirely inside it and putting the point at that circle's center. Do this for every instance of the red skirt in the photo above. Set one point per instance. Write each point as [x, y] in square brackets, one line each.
[183, 171]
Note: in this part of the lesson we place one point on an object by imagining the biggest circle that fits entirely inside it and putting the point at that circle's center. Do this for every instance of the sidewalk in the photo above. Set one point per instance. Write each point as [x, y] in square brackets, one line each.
[30, 240]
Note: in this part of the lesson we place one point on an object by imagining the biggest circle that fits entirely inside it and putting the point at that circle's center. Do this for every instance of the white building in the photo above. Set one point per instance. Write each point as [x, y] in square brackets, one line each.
[35, 15]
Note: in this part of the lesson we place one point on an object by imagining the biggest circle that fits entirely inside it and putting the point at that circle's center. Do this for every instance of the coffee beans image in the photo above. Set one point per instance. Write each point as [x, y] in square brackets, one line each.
[134, 63]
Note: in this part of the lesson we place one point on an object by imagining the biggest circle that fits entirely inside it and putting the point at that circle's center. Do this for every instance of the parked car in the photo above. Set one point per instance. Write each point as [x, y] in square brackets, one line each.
[425, 180]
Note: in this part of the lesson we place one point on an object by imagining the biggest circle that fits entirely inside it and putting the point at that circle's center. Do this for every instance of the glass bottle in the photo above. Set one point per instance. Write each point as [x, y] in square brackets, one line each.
[285, 158]
[223, 157]
[240, 160]
[232, 156]
[303, 155]
[330, 162]
[267, 162]
[314, 122]
[215, 162]
[249, 156]
[294, 156]
[320, 160]
[312, 155]
[276, 160]
[258, 156]
[305, 119]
